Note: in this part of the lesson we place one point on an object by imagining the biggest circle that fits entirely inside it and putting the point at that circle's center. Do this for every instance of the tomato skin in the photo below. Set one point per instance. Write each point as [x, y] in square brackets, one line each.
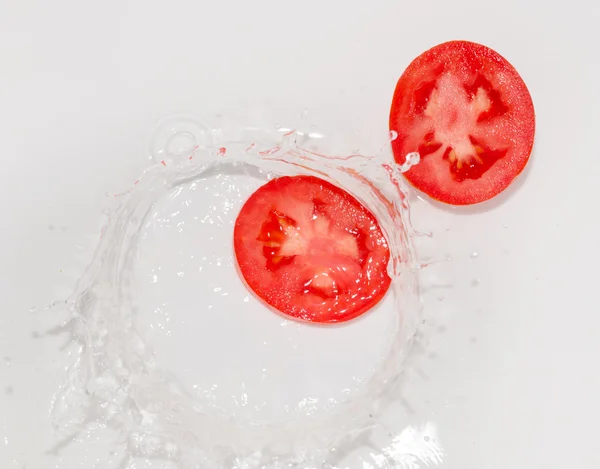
[311, 251]
[464, 96]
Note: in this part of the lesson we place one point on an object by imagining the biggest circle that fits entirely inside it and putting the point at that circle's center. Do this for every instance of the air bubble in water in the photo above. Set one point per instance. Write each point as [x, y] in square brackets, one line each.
[393, 135]
[474, 255]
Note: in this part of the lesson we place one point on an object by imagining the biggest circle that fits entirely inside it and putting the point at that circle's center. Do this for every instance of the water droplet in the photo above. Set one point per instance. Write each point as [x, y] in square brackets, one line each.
[426, 438]
[177, 137]
[474, 255]
[422, 234]
[277, 125]
[180, 144]
[441, 298]
[412, 159]
[475, 282]
[393, 135]
[504, 225]
[8, 361]
[51, 227]
[427, 262]
[303, 113]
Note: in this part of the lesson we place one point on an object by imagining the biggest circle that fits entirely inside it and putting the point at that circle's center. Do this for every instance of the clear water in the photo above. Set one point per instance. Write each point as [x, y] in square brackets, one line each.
[174, 354]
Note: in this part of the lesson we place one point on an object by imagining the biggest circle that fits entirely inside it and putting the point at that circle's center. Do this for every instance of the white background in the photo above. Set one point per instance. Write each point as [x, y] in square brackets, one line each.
[512, 347]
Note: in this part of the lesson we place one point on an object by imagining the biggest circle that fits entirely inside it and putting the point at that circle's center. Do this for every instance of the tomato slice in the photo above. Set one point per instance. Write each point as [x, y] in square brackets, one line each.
[469, 114]
[311, 250]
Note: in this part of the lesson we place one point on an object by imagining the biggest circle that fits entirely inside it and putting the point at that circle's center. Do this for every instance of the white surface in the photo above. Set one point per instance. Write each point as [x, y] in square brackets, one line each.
[508, 364]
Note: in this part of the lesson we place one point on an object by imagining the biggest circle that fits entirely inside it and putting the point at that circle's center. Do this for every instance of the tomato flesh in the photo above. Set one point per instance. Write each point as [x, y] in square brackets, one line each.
[311, 250]
[468, 113]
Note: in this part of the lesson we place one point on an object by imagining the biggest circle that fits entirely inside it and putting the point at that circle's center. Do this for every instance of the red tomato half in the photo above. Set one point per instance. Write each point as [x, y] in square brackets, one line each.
[468, 113]
[311, 250]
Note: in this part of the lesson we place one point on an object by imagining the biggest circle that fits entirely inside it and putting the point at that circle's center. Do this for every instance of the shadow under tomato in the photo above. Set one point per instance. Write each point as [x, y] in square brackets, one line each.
[490, 204]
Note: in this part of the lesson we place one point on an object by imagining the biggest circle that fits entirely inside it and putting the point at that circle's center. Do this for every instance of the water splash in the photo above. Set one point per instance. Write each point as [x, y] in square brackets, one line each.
[115, 378]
